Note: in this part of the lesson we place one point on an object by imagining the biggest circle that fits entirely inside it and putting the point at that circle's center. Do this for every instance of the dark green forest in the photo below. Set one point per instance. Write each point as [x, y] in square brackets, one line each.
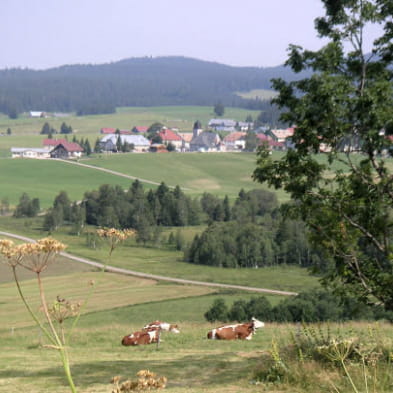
[251, 232]
[92, 89]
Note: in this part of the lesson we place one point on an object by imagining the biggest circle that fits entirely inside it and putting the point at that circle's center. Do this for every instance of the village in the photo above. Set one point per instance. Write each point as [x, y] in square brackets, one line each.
[220, 135]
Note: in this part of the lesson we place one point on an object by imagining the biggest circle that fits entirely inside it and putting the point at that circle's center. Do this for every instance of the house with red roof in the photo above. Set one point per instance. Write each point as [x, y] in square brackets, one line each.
[270, 142]
[139, 129]
[63, 149]
[111, 130]
[108, 130]
[280, 135]
[235, 141]
[169, 136]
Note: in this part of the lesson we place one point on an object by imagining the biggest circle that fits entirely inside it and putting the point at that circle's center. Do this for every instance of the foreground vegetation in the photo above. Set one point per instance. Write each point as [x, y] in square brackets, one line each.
[189, 361]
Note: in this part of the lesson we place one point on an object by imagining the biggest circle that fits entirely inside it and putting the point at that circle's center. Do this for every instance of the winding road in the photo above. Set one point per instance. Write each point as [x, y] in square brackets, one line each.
[118, 270]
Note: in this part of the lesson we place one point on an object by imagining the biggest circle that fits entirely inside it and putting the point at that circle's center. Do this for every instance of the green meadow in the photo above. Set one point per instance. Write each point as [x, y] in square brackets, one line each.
[44, 179]
[181, 117]
[217, 173]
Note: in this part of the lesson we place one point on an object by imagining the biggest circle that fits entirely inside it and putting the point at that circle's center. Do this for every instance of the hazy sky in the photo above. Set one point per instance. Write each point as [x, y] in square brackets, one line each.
[41, 34]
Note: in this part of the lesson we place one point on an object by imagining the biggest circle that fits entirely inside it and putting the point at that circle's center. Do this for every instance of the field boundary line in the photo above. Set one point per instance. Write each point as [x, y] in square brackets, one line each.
[118, 270]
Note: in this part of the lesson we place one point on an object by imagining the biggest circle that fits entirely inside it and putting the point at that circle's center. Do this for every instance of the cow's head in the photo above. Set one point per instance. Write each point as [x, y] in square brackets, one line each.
[256, 323]
[129, 340]
[174, 329]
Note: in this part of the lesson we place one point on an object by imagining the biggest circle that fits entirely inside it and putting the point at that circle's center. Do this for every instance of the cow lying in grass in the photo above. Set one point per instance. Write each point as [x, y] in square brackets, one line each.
[141, 338]
[240, 331]
[150, 333]
[158, 325]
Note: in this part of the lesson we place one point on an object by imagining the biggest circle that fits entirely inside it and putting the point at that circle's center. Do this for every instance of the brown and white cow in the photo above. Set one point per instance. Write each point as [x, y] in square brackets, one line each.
[141, 338]
[158, 325]
[240, 331]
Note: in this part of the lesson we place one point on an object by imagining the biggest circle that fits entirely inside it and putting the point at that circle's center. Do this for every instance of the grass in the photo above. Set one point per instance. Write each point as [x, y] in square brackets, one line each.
[190, 362]
[217, 173]
[181, 117]
[261, 94]
[44, 179]
[113, 291]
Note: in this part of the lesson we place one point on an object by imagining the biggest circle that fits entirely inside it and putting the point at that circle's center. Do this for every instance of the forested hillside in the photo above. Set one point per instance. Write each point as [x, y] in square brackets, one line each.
[89, 89]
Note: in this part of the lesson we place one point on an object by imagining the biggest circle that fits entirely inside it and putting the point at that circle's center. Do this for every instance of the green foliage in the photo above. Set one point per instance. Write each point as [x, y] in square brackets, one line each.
[47, 129]
[308, 306]
[111, 207]
[218, 311]
[27, 207]
[251, 141]
[219, 109]
[258, 236]
[65, 129]
[341, 111]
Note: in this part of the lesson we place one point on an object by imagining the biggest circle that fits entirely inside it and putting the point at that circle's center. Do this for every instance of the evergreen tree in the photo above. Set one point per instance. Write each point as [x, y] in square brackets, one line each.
[46, 129]
[219, 109]
[97, 146]
[87, 147]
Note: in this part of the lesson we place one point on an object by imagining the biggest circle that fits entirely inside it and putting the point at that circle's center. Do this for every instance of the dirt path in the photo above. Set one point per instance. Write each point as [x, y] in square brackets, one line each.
[118, 270]
[115, 173]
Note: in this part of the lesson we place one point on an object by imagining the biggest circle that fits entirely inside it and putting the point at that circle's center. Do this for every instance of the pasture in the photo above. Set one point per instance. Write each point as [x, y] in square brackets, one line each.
[181, 117]
[216, 173]
[191, 363]
[118, 305]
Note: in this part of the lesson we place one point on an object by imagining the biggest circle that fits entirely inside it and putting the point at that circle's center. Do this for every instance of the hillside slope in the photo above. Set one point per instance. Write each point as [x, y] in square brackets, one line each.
[132, 82]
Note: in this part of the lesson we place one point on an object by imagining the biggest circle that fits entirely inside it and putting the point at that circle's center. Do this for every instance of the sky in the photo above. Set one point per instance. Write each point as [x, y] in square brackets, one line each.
[41, 34]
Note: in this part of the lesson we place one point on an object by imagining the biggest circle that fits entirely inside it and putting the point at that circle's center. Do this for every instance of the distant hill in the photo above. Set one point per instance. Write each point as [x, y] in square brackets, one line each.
[146, 81]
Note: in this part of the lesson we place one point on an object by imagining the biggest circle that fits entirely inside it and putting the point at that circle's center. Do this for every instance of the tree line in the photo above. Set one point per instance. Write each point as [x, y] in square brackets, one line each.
[316, 305]
[251, 232]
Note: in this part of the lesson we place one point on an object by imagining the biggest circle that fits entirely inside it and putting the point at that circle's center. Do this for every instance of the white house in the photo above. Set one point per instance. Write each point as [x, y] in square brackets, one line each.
[37, 114]
[141, 144]
[30, 152]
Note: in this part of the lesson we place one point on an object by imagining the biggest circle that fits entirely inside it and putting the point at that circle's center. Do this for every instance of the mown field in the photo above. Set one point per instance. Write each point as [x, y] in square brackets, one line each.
[217, 173]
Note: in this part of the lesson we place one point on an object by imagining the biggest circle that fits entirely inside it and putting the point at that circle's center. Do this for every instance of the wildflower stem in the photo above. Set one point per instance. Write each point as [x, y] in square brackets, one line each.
[62, 349]
[348, 375]
[38, 322]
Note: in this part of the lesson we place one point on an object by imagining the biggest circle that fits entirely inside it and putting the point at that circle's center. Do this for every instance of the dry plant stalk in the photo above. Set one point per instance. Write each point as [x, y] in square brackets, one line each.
[114, 236]
[36, 257]
[146, 380]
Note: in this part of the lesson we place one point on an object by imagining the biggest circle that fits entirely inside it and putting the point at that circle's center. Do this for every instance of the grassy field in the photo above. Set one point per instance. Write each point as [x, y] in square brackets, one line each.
[191, 363]
[44, 179]
[165, 262]
[181, 117]
[261, 94]
[217, 173]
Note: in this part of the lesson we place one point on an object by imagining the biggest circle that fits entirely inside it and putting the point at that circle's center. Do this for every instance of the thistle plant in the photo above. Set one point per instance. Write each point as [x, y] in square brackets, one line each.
[37, 257]
[146, 380]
